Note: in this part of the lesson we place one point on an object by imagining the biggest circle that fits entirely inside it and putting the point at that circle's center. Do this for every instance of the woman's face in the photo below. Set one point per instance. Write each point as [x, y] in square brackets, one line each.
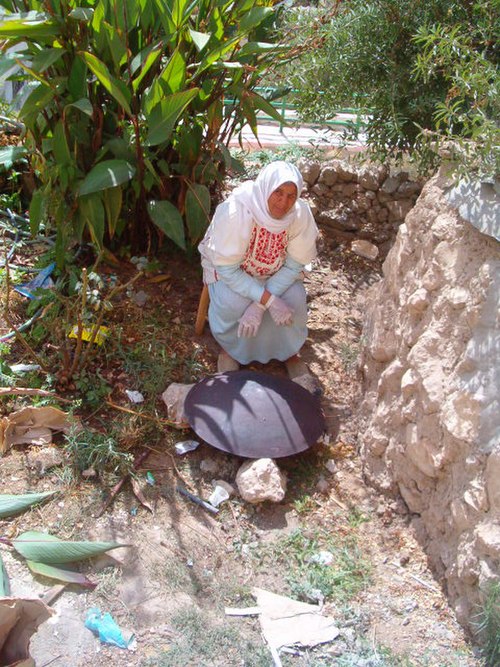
[282, 200]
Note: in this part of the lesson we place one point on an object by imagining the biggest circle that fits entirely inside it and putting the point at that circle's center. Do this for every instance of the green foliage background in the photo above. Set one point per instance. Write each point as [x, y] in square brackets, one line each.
[131, 107]
[414, 66]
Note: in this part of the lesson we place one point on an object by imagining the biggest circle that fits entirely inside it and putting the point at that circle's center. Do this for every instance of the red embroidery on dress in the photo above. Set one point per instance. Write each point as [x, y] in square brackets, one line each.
[266, 252]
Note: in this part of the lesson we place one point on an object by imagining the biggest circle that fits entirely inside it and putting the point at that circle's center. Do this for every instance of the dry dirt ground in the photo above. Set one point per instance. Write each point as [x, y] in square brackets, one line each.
[183, 565]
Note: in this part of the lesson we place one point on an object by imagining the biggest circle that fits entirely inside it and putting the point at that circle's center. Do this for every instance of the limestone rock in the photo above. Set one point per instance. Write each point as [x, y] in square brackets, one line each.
[328, 175]
[261, 480]
[364, 249]
[431, 406]
[372, 177]
[346, 172]
[390, 185]
[399, 208]
[310, 170]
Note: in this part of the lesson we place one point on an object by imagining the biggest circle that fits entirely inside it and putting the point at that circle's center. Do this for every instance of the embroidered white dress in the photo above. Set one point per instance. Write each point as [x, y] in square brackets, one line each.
[241, 258]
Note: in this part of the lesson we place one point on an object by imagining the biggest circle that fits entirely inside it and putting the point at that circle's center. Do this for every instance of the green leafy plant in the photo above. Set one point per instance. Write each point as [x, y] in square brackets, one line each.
[131, 107]
[90, 449]
[410, 68]
[467, 118]
[487, 624]
[310, 577]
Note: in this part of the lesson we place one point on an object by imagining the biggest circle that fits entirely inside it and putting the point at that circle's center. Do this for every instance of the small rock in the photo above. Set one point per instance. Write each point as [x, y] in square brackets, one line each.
[331, 466]
[209, 465]
[261, 480]
[364, 249]
[174, 398]
[322, 485]
[139, 298]
[309, 169]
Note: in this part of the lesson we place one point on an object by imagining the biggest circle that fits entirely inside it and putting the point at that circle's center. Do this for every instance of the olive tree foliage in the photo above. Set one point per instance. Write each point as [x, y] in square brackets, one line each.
[130, 109]
[420, 70]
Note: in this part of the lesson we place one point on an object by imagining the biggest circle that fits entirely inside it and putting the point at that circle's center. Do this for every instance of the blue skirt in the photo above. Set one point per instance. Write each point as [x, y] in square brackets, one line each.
[271, 341]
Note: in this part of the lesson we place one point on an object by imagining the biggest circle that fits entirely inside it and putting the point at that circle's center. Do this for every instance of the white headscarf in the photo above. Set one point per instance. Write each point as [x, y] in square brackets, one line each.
[255, 194]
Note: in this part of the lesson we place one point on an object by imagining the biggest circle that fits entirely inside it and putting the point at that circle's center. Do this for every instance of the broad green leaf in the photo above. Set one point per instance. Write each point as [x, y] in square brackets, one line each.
[117, 47]
[168, 219]
[200, 39]
[174, 74]
[8, 62]
[77, 80]
[112, 200]
[91, 211]
[250, 115]
[4, 580]
[60, 573]
[112, 85]
[254, 17]
[11, 154]
[60, 145]
[38, 100]
[120, 148]
[218, 54]
[256, 48]
[164, 116]
[31, 25]
[146, 64]
[46, 58]
[84, 106]
[11, 505]
[37, 211]
[189, 142]
[197, 210]
[262, 104]
[107, 174]
[44, 548]
[81, 14]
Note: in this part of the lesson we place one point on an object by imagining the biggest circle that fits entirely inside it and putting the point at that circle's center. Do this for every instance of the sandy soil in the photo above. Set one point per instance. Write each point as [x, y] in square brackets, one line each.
[183, 558]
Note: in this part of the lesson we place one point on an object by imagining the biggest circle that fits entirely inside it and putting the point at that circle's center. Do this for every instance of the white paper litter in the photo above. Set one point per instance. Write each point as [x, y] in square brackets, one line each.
[287, 622]
[186, 446]
[322, 558]
[134, 396]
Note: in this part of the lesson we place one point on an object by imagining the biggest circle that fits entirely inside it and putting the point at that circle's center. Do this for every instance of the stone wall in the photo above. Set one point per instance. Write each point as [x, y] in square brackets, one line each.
[358, 203]
[431, 368]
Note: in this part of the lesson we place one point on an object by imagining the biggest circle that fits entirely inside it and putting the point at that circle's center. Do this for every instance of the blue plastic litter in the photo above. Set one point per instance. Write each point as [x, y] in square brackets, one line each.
[41, 281]
[104, 626]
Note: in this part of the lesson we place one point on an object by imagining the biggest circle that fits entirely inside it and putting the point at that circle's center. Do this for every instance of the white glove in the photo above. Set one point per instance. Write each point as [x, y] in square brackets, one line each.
[280, 312]
[250, 320]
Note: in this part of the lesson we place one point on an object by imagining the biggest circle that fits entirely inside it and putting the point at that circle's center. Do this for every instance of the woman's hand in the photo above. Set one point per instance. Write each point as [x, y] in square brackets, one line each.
[249, 322]
[280, 312]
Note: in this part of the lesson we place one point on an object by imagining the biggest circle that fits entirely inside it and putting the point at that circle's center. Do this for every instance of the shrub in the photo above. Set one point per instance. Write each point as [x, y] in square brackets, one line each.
[126, 121]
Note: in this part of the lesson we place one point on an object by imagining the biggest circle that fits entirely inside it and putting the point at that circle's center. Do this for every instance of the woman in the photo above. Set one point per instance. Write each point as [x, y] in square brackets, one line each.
[253, 256]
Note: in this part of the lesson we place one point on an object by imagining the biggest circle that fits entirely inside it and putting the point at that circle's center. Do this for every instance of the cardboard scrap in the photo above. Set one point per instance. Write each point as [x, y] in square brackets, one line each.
[19, 620]
[33, 426]
[287, 622]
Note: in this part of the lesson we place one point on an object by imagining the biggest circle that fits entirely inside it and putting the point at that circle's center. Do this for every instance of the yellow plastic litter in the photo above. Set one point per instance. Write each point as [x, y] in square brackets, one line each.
[101, 335]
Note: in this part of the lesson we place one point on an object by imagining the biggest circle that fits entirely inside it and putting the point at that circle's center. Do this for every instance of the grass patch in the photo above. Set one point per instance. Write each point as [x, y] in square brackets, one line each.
[203, 642]
[487, 623]
[320, 565]
[91, 449]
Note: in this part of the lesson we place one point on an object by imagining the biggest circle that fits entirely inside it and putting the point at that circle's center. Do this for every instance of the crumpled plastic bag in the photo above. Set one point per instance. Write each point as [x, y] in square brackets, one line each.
[34, 426]
[104, 626]
[174, 398]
